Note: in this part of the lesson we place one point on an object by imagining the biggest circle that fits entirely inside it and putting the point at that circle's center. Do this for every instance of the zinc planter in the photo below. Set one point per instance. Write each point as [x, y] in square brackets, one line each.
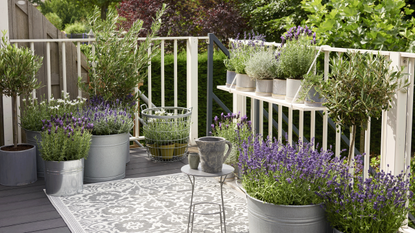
[336, 231]
[18, 167]
[244, 83]
[31, 137]
[313, 98]
[106, 158]
[230, 76]
[263, 87]
[279, 88]
[270, 218]
[293, 85]
[64, 178]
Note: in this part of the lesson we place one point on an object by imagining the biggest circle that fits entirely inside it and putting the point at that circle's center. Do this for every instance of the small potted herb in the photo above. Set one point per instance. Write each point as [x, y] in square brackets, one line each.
[230, 69]
[279, 83]
[65, 144]
[262, 67]
[297, 54]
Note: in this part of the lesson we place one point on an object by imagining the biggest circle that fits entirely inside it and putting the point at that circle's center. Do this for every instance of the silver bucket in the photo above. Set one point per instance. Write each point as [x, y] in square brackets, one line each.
[263, 87]
[266, 218]
[106, 158]
[244, 83]
[64, 178]
[18, 167]
[293, 85]
[30, 138]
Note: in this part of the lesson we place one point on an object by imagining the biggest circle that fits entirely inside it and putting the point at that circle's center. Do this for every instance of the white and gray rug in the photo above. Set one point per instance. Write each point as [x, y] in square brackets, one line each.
[150, 204]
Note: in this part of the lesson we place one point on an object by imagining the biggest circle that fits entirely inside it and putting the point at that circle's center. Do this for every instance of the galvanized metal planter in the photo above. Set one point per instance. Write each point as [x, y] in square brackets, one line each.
[279, 88]
[31, 137]
[313, 98]
[244, 83]
[64, 178]
[18, 167]
[293, 85]
[270, 218]
[263, 87]
[336, 231]
[106, 158]
[230, 76]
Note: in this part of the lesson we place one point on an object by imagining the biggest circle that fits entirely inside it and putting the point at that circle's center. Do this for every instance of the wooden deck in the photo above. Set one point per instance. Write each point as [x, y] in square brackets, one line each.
[27, 209]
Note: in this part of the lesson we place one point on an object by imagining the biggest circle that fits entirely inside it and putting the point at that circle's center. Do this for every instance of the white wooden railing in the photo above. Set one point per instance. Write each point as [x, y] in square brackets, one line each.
[192, 79]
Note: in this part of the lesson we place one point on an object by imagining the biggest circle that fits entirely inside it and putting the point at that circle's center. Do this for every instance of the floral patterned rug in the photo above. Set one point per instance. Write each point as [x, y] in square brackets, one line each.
[151, 204]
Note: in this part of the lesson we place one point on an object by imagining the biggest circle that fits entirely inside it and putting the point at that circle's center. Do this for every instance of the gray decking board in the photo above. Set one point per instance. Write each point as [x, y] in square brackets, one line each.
[27, 209]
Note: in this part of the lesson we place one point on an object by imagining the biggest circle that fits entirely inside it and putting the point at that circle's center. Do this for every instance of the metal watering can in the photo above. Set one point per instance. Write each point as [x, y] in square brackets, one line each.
[211, 150]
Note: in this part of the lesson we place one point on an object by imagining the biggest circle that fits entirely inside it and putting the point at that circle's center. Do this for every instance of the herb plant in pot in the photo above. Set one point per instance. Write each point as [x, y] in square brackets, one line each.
[280, 182]
[262, 67]
[297, 54]
[230, 70]
[279, 83]
[65, 144]
[18, 67]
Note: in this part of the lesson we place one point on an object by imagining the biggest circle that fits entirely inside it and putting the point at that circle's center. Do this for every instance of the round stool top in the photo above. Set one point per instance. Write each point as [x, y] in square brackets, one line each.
[226, 170]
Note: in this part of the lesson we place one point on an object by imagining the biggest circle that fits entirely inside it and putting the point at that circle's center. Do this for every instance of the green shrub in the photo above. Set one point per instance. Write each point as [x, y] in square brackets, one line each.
[55, 20]
[65, 9]
[76, 28]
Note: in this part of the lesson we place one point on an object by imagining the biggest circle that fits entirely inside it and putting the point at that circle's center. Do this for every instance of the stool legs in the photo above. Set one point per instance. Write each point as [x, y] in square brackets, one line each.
[191, 204]
[223, 205]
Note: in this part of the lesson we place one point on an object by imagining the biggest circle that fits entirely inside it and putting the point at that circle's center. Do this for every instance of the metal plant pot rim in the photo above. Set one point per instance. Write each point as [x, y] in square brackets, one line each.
[32, 131]
[107, 135]
[286, 206]
[188, 112]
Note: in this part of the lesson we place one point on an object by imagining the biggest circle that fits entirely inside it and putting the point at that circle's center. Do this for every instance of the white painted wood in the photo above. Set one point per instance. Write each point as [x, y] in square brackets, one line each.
[367, 151]
[410, 110]
[338, 141]
[261, 117]
[48, 71]
[253, 114]
[313, 128]
[270, 119]
[235, 103]
[19, 129]
[7, 101]
[65, 84]
[301, 125]
[242, 100]
[192, 85]
[32, 48]
[150, 102]
[384, 124]
[78, 53]
[162, 74]
[175, 72]
[325, 129]
[280, 122]
[290, 125]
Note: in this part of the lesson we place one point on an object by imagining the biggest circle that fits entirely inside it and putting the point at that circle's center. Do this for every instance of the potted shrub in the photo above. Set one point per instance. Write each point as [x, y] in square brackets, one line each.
[360, 86]
[32, 114]
[376, 204]
[18, 67]
[297, 54]
[309, 92]
[262, 67]
[64, 146]
[110, 139]
[280, 182]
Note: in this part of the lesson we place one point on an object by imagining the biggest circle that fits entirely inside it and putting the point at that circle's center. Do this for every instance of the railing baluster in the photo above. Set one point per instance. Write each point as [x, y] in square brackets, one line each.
[65, 87]
[261, 117]
[280, 122]
[78, 52]
[162, 74]
[32, 47]
[301, 125]
[253, 114]
[150, 102]
[325, 117]
[290, 125]
[175, 72]
[338, 141]
[270, 111]
[313, 127]
[367, 151]
[48, 71]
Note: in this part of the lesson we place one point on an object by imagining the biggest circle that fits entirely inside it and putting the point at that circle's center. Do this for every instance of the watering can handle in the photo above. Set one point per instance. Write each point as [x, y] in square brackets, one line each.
[229, 150]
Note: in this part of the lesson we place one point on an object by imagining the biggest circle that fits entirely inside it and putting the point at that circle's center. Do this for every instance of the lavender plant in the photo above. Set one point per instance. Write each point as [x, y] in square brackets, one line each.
[65, 138]
[376, 204]
[234, 129]
[286, 174]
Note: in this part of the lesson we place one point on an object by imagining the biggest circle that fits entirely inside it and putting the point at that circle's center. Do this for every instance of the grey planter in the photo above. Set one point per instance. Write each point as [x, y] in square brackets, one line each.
[263, 87]
[106, 158]
[230, 76]
[279, 88]
[336, 231]
[31, 139]
[64, 178]
[313, 98]
[293, 85]
[18, 167]
[244, 83]
[270, 218]
[211, 151]
[127, 159]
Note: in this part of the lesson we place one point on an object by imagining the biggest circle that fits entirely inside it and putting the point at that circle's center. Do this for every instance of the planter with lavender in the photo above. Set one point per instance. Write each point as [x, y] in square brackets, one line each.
[280, 183]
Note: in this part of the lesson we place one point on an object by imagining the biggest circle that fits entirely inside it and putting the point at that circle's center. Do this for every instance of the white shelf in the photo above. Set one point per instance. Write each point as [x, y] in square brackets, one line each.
[252, 94]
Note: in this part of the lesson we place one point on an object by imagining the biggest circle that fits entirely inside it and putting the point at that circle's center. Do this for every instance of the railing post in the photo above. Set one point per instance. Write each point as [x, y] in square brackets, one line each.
[192, 85]
[7, 101]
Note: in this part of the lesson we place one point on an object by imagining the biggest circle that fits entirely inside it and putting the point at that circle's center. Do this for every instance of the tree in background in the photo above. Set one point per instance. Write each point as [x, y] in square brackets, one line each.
[65, 10]
[103, 5]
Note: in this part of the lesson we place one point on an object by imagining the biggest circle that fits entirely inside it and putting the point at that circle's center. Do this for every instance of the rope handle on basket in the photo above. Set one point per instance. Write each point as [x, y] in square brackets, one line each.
[312, 64]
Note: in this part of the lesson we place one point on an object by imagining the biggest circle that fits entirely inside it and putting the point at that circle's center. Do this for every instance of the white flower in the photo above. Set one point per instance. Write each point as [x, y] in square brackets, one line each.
[61, 101]
[24, 100]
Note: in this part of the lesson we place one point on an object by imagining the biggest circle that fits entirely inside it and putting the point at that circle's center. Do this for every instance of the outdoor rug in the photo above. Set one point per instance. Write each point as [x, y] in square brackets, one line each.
[151, 204]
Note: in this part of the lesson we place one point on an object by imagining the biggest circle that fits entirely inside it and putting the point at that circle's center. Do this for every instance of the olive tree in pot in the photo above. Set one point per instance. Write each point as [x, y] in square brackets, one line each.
[297, 54]
[262, 67]
[360, 86]
[18, 67]
[65, 144]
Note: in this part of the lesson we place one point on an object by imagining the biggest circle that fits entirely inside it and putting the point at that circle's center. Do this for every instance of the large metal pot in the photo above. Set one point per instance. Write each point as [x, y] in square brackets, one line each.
[31, 137]
[106, 158]
[293, 85]
[18, 167]
[244, 83]
[269, 218]
[64, 178]
[263, 87]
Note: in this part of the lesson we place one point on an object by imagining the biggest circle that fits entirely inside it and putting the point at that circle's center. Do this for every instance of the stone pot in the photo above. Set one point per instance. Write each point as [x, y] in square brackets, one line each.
[64, 178]
[31, 137]
[269, 218]
[18, 167]
[313, 98]
[279, 88]
[263, 87]
[244, 83]
[293, 85]
[230, 76]
[193, 160]
[106, 158]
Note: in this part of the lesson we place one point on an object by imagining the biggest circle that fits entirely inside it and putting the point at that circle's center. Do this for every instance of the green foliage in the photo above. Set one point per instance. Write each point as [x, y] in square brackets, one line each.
[367, 24]
[262, 65]
[242, 51]
[360, 86]
[119, 62]
[103, 5]
[309, 81]
[296, 58]
[76, 28]
[65, 10]
[54, 19]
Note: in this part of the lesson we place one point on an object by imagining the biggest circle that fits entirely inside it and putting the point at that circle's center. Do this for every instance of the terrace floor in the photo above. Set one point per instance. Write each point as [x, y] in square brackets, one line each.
[27, 208]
